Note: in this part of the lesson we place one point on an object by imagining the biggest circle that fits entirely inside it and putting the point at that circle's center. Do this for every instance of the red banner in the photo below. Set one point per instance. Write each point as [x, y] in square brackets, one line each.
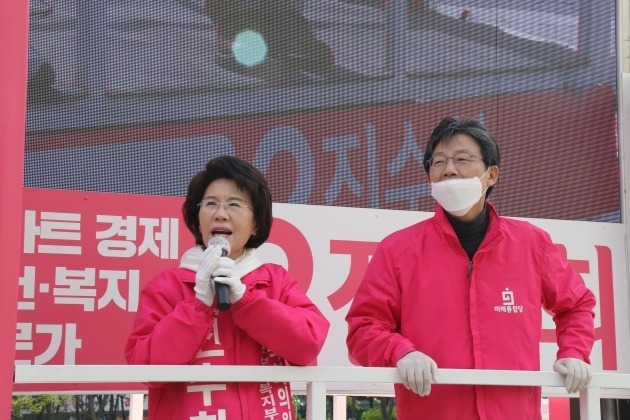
[559, 153]
[86, 256]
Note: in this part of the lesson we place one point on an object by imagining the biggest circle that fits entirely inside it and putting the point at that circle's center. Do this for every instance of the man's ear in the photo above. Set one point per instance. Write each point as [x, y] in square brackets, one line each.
[493, 175]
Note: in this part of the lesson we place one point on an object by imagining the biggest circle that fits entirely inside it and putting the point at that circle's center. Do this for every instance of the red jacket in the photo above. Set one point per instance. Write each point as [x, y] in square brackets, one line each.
[274, 323]
[421, 292]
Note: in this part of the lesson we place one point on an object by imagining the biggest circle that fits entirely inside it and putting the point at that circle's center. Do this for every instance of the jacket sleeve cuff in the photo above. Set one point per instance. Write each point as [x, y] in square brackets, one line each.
[201, 307]
[400, 353]
[247, 298]
[573, 354]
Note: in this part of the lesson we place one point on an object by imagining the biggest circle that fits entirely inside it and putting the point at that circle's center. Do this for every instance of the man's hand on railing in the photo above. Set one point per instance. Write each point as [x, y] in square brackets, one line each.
[577, 373]
[418, 371]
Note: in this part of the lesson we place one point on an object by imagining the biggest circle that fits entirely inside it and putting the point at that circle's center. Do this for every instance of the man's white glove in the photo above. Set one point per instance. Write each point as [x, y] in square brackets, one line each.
[418, 371]
[224, 273]
[204, 286]
[577, 373]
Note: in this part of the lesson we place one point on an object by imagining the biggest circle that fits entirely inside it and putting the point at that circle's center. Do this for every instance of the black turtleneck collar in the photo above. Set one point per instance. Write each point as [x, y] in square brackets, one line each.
[470, 234]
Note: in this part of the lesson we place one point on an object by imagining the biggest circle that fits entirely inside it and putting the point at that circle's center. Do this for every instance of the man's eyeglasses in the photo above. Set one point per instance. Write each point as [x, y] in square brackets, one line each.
[232, 207]
[460, 160]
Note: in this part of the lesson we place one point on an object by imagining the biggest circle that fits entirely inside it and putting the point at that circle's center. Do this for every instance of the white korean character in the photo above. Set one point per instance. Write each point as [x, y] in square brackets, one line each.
[268, 400]
[112, 293]
[23, 341]
[206, 391]
[53, 228]
[167, 237]
[26, 301]
[212, 346]
[124, 227]
[77, 287]
[203, 415]
[283, 394]
[271, 413]
[71, 343]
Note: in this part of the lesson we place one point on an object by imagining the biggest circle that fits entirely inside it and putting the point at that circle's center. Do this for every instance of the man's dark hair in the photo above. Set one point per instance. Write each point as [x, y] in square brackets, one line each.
[247, 178]
[450, 127]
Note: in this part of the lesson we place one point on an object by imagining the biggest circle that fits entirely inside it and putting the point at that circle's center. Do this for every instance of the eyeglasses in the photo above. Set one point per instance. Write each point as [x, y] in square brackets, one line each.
[460, 160]
[231, 207]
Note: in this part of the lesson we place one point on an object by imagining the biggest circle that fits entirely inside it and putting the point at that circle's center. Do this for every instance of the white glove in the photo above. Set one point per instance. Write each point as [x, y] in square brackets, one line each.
[418, 371]
[224, 273]
[204, 286]
[578, 373]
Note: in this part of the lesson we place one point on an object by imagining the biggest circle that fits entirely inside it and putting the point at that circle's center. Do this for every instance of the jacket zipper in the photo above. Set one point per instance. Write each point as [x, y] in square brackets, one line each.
[471, 265]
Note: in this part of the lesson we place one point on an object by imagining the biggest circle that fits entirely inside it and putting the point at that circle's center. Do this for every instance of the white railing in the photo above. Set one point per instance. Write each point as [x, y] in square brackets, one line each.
[316, 379]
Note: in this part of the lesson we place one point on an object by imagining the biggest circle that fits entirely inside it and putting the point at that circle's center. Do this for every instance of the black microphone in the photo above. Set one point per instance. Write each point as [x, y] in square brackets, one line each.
[222, 291]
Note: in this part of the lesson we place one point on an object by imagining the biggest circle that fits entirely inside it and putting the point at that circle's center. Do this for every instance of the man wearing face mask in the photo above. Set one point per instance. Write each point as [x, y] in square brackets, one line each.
[464, 289]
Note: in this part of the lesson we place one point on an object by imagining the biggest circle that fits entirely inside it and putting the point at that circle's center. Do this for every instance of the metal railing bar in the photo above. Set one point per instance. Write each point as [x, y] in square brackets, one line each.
[168, 373]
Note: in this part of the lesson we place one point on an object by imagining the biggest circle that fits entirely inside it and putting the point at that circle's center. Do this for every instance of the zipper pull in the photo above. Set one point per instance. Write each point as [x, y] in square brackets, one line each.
[470, 268]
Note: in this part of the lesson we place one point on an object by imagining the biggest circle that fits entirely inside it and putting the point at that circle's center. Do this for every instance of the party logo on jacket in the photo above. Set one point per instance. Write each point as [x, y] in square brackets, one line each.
[508, 305]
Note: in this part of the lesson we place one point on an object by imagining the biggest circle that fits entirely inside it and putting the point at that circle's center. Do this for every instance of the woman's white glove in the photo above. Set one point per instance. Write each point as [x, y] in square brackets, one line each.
[224, 273]
[204, 286]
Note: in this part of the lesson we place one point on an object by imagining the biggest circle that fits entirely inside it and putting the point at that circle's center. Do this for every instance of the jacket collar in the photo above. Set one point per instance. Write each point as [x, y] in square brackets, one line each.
[495, 224]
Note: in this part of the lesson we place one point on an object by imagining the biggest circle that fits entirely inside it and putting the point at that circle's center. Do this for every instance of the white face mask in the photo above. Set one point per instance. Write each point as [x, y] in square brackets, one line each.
[457, 196]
